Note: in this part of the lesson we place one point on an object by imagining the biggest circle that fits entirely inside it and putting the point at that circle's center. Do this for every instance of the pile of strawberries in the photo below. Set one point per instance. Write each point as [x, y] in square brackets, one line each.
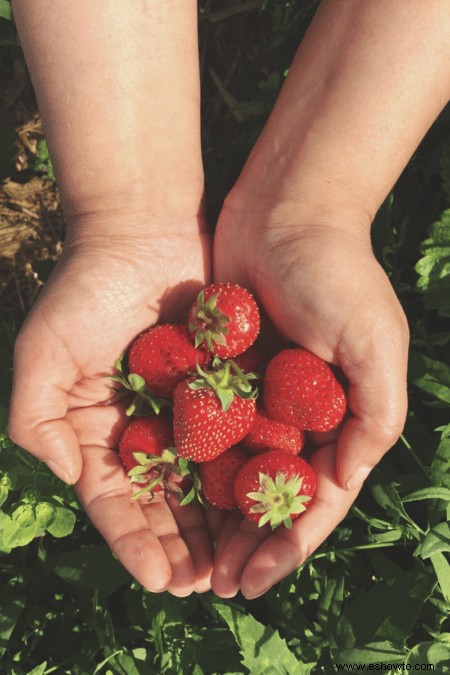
[216, 419]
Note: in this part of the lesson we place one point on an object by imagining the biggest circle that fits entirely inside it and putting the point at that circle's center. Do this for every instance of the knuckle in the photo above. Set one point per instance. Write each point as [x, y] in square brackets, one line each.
[389, 431]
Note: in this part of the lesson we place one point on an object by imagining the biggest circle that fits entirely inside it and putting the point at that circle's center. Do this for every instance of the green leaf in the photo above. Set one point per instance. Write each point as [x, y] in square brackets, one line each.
[437, 540]
[12, 607]
[41, 162]
[445, 431]
[386, 495]
[22, 527]
[63, 522]
[5, 10]
[430, 375]
[434, 267]
[92, 567]
[428, 493]
[39, 670]
[7, 529]
[442, 569]
[373, 652]
[394, 607]
[262, 648]
[436, 654]
[330, 610]
[45, 513]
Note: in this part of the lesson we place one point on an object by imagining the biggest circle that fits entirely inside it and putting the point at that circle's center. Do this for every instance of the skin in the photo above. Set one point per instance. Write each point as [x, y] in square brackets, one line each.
[367, 82]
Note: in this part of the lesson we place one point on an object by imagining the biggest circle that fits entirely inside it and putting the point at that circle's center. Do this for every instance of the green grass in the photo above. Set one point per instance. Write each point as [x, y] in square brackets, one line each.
[378, 590]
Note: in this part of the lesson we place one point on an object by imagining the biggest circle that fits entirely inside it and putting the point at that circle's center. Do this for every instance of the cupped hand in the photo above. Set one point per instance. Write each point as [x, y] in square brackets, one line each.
[103, 292]
[324, 290]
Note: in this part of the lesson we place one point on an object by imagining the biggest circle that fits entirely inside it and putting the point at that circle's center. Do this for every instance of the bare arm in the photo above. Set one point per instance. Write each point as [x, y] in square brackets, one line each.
[118, 91]
[366, 84]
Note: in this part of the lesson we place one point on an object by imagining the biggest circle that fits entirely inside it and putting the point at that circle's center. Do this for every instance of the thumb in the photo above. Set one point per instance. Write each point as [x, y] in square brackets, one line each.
[43, 374]
[377, 401]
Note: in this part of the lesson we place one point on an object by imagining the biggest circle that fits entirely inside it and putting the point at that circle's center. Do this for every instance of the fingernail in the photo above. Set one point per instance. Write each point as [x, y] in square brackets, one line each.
[256, 594]
[58, 471]
[357, 479]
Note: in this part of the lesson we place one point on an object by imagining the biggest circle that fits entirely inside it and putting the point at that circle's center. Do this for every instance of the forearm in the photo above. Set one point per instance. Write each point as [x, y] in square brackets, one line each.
[367, 82]
[118, 92]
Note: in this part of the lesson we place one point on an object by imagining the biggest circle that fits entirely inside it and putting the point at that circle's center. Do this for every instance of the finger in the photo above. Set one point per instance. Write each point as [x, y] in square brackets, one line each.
[229, 565]
[230, 524]
[215, 519]
[99, 425]
[105, 492]
[377, 399]
[284, 550]
[103, 426]
[193, 528]
[164, 526]
[39, 404]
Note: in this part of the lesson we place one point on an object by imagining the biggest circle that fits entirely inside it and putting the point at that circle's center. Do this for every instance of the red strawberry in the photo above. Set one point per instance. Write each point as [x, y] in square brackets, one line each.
[225, 319]
[217, 477]
[275, 487]
[301, 389]
[212, 413]
[146, 436]
[252, 360]
[267, 434]
[163, 356]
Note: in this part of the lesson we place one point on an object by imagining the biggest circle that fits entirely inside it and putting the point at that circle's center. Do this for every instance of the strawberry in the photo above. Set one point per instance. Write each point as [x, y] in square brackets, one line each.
[163, 355]
[275, 487]
[213, 412]
[252, 360]
[301, 389]
[217, 477]
[225, 319]
[268, 434]
[144, 440]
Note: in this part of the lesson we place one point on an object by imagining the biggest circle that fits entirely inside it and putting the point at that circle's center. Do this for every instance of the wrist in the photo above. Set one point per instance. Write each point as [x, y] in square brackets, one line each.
[134, 197]
[134, 224]
[284, 212]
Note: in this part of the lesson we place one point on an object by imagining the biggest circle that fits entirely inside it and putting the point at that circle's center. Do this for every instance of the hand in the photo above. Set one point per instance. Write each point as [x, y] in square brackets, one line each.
[104, 291]
[324, 290]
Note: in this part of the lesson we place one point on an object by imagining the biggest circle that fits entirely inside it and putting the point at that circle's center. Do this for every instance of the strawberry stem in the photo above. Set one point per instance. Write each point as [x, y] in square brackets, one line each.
[277, 500]
[209, 324]
[144, 402]
[227, 380]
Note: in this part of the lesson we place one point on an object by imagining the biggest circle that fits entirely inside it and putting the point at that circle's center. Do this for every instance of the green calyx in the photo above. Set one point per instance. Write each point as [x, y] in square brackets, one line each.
[210, 325]
[158, 465]
[164, 469]
[144, 402]
[278, 499]
[227, 380]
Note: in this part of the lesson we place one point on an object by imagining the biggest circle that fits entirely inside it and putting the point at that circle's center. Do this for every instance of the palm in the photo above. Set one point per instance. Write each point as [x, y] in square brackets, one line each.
[94, 305]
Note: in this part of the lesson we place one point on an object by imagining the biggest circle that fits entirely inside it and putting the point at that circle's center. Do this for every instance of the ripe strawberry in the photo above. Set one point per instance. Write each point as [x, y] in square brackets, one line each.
[225, 319]
[267, 434]
[275, 487]
[217, 477]
[252, 360]
[301, 389]
[213, 412]
[163, 356]
[143, 440]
